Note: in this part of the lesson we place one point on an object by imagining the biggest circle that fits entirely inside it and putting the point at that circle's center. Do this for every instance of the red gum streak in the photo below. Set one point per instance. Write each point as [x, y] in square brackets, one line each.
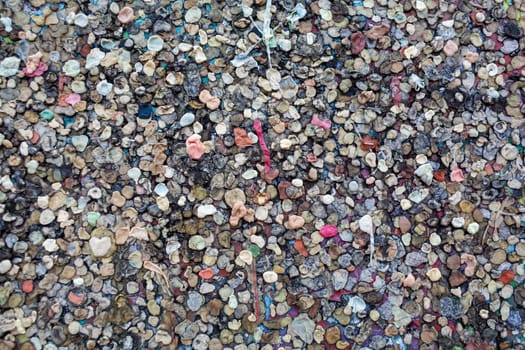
[266, 152]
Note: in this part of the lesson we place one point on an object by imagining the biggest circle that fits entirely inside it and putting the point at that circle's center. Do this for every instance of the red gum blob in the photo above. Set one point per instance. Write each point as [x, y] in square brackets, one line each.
[328, 231]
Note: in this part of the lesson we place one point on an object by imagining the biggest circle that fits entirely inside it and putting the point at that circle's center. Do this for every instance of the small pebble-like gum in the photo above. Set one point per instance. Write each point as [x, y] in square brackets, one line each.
[295, 222]
[194, 147]
[369, 144]
[237, 213]
[47, 114]
[126, 14]
[241, 138]
[206, 273]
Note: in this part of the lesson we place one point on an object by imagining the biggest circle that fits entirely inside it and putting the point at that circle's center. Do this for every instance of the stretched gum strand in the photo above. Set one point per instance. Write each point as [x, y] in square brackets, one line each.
[266, 152]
